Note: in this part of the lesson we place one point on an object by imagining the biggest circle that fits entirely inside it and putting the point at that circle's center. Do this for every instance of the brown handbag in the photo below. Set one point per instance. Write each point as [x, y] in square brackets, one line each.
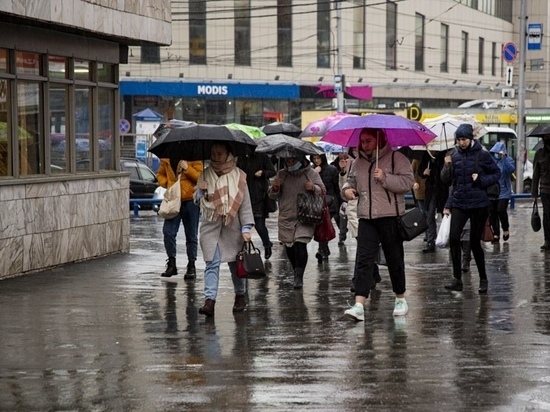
[487, 235]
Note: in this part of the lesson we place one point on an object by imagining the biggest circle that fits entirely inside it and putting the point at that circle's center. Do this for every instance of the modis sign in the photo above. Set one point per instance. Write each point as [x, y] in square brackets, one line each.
[211, 90]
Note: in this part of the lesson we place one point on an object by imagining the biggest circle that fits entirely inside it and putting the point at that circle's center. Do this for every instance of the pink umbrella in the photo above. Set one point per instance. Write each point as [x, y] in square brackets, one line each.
[399, 130]
[323, 125]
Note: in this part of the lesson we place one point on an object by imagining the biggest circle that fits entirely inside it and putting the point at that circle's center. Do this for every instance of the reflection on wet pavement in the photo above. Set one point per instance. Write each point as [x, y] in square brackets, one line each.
[110, 334]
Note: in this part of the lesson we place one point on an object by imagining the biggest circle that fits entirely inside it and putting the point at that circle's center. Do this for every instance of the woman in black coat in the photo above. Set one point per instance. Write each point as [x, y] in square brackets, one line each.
[472, 171]
[259, 170]
[329, 176]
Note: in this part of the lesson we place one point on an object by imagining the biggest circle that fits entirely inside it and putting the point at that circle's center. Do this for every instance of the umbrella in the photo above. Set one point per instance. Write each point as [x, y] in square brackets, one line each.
[194, 142]
[165, 127]
[281, 145]
[444, 127]
[540, 131]
[281, 127]
[399, 130]
[252, 131]
[321, 126]
[331, 147]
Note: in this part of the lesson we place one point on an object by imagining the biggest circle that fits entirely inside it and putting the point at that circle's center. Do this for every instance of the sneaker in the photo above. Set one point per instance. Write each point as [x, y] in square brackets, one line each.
[356, 312]
[401, 308]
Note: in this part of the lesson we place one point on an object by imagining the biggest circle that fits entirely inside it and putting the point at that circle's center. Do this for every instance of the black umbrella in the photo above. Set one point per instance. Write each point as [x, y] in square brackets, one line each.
[194, 142]
[540, 131]
[282, 127]
[281, 145]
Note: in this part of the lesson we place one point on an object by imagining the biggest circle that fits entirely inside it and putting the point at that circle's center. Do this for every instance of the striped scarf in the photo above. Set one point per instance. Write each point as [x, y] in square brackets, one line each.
[228, 194]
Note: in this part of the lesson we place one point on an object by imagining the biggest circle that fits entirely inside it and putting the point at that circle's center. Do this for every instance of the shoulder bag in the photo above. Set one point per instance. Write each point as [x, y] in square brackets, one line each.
[171, 203]
[310, 207]
[249, 262]
[487, 235]
[324, 231]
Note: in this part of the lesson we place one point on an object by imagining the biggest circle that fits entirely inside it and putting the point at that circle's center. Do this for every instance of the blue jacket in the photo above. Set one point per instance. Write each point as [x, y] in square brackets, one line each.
[467, 194]
[507, 166]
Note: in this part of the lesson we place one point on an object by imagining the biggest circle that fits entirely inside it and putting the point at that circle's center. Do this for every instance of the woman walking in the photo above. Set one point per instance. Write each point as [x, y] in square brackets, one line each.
[498, 208]
[227, 219]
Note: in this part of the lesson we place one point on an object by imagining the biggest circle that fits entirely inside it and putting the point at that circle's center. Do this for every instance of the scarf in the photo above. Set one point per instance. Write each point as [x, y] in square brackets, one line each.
[229, 184]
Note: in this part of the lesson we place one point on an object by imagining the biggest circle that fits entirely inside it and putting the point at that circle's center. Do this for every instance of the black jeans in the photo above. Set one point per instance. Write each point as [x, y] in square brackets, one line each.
[261, 228]
[459, 217]
[498, 212]
[372, 233]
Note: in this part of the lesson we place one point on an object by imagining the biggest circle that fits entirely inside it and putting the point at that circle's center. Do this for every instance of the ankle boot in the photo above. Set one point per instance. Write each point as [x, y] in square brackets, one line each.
[171, 269]
[483, 286]
[191, 273]
[298, 278]
[456, 285]
[208, 308]
[240, 303]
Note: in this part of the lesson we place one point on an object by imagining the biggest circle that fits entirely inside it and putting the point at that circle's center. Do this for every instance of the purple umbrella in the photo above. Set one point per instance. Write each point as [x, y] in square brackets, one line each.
[321, 126]
[399, 130]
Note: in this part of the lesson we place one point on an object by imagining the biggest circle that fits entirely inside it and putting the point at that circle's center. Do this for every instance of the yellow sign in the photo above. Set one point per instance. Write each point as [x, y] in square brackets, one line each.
[484, 118]
[414, 112]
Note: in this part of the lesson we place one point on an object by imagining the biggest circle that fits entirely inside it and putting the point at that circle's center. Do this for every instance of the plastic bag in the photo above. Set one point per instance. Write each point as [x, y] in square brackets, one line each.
[442, 239]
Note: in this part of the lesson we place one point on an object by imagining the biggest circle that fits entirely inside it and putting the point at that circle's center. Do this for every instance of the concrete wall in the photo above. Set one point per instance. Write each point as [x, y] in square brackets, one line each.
[48, 224]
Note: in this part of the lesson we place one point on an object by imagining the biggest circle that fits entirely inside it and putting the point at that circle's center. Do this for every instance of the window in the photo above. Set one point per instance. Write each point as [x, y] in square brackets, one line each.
[419, 43]
[284, 33]
[82, 70]
[359, 35]
[481, 54]
[3, 61]
[391, 35]
[29, 130]
[58, 109]
[323, 33]
[106, 120]
[242, 32]
[27, 63]
[494, 59]
[444, 49]
[58, 67]
[464, 62]
[150, 54]
[197, 32]
[5, 129]
[83, 128]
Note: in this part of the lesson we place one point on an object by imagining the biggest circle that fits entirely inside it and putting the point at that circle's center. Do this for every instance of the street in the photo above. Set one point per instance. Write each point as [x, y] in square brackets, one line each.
[111, 335]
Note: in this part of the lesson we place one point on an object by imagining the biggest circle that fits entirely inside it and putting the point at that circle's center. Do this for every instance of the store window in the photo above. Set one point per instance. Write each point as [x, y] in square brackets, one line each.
[27, 63]
[58, 67]
[106, 100]
[83, 128]
[59, 155]
[29, 133]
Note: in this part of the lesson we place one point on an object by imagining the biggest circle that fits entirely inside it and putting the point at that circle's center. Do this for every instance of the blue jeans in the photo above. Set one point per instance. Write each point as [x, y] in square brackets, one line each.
[189, 215]
[212, 277]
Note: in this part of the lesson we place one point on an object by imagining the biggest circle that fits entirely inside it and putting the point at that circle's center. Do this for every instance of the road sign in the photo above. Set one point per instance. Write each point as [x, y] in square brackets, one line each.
[124, 126]
[509, 76]
[510, 52]
[534, 36]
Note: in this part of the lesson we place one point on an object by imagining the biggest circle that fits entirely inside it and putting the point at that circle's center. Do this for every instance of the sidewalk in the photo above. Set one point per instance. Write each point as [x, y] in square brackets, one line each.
[110, 334]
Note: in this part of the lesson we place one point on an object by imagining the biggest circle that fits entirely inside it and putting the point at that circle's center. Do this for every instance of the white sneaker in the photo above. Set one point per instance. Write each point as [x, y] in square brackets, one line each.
[401, 308]
[357, 312]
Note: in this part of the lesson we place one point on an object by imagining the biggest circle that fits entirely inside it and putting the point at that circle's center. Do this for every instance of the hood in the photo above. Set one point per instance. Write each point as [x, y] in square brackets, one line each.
[499, 147]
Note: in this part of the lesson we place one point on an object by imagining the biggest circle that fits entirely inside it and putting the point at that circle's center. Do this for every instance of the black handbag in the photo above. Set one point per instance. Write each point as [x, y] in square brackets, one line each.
[310, 208]
[412, 224]
[270, 205]
[535, 217]
[249, 262]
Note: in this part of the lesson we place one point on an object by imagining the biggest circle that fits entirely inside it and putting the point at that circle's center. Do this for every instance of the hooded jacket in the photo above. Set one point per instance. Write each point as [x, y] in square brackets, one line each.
[167, 177]
[467, 193]
[507, 166]
[376, 199]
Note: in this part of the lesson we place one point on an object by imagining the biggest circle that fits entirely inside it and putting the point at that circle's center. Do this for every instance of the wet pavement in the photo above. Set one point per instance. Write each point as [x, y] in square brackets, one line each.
[110, 335]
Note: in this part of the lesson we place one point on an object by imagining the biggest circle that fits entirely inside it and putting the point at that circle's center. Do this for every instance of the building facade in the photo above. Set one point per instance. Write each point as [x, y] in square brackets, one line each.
[253, 61]
[62, 196]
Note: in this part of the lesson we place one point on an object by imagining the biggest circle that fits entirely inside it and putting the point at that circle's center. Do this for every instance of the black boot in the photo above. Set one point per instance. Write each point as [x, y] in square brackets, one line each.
[191, 273]
[430, 247]
[456, 285]
[483, 286]
[268, 252]
[171, 269]
[298, 278]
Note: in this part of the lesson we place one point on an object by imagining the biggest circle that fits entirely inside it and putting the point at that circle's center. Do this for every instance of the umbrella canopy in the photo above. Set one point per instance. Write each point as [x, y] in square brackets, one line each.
[399, 130]
[444, 127]
[331, 147]
[281, 145]
[321, 127]
[252, 131]
[540, 131]
[194, 142]
[282, 127]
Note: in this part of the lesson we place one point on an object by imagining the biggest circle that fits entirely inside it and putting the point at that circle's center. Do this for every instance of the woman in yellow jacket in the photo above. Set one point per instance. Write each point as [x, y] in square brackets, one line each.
[167, 175]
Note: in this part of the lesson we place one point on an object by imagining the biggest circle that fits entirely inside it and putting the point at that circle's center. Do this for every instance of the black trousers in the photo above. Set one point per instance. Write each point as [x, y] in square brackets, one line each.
[372, 233]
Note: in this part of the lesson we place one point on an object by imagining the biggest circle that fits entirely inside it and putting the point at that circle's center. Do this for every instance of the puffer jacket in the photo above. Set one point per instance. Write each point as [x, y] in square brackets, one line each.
[541, 172]
[376, 199]
[467, 194]
[167, 177]
[507, 166]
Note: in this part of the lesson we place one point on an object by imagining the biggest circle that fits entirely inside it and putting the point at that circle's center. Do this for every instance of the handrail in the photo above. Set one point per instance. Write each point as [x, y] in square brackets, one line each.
[134, 204]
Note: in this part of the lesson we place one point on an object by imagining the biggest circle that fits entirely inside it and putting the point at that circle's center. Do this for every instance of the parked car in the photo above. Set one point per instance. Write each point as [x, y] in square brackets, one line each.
[143, 181]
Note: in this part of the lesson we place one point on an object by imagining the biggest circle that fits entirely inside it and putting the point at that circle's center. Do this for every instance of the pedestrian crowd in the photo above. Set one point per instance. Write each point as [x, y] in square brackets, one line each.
[365, 191]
